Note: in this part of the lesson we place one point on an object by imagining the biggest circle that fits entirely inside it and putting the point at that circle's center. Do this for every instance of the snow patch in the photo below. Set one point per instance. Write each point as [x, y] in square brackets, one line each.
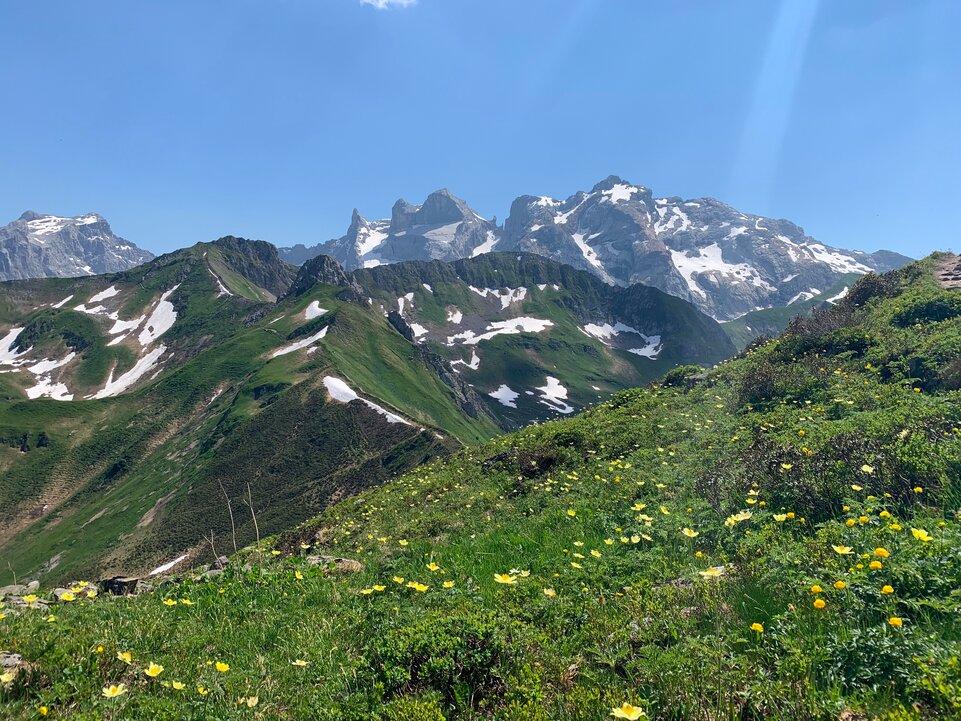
[160, 321]
[835, 298]
[221, 288]
[143, 366]
[455, 316]
[63, 302]
[418, 329]
[554, 396]
[303, 343]
[343, 393]
[487, 246]
[506, 295]
[313, 311]
[619, 192]
[505, 396]
[502, 327]
[474, 363]
[709, 262]
[104, 294]
[8, 356]
[122, 326]
[403, 301]
[167, 566]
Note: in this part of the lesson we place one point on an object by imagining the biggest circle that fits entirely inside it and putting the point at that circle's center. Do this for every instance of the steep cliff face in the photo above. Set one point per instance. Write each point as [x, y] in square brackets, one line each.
[44, 246]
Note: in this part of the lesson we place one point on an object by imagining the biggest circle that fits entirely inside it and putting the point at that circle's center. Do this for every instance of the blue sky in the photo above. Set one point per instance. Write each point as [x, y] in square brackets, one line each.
[185, 120]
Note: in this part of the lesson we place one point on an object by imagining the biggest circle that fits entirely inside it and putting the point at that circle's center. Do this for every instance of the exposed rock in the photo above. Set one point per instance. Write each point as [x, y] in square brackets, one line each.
[336, 565]
[43, 246]
[120, 585]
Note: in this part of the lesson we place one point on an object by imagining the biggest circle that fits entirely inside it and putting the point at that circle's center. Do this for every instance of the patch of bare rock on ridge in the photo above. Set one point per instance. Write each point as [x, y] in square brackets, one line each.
[948, 271]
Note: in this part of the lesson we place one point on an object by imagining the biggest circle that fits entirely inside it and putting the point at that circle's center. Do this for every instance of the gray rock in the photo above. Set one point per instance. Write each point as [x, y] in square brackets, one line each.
[14, 590]
[43, 246]
[120, 585]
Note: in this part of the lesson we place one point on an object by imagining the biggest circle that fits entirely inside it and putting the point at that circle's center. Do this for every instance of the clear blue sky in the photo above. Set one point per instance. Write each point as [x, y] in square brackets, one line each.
[185, 120]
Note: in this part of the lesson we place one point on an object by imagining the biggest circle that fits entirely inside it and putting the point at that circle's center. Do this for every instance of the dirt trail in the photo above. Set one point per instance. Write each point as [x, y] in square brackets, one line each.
[948, 271]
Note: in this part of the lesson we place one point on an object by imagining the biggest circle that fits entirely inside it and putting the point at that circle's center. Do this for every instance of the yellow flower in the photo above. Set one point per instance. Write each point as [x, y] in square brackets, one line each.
[154, 670]
[304, 546]
[91, 593]
[867, 469]
[843, 550]
[790, 515]
[638, 506]
[202, 691]
[819, 603]
[448, 584]
[379, 588]
[816, 589]
[571, 512]
[505, 578]
[178, 685]
[665, 511]
[169, 602]
[366, 591]
[840, 585]
[780, 517]
[626, 711]
[112, 691]
[895, 526]
[251, 701]
[43, 710]
[298, 575]
[51, 618]
[850, 523]
[918, 489]
[690, 533]
[757, 627]
[222, 667]
[881, 552]
[68, 596]
[550, 592]
[299, 662]
[635, 539]
[275, 552]
[419, 587]
[896, 622]
[29, 598]
[596, 553]
[921, 534]
[609, 541]
[125, 656]
[402, 542]
[855, 487]
[432, 567]
[887, 590]
[574, 564]
[397, 579]
[6, 677]
[713, 572]
[787, 466]
[186, 602]
[875, 565]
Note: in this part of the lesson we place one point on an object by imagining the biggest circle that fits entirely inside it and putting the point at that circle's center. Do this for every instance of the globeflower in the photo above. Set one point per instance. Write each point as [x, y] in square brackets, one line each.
[626, 711]
[881, 552]
[896, 622]
[114, 690]
[757, 627]
[887, 590]
[840, 585]
[819, 603]
[222, 667]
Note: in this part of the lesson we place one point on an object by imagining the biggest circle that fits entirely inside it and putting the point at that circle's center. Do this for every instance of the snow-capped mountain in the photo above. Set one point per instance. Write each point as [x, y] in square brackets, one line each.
[43, 246]
[443, 228]
[726, 262]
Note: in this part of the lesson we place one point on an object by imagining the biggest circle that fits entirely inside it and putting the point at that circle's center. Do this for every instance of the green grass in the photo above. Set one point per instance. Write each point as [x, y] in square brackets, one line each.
[821, 437]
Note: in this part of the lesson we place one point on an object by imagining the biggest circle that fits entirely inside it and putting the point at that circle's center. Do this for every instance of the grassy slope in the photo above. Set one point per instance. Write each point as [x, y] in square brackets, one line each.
[846, 435]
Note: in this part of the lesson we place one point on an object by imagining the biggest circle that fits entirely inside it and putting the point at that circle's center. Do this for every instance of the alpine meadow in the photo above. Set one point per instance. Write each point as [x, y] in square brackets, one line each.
[349, 372]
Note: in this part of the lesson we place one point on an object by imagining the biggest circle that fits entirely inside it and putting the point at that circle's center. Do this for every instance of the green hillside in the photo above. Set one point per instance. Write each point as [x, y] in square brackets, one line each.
[776, 538]
[175, 395]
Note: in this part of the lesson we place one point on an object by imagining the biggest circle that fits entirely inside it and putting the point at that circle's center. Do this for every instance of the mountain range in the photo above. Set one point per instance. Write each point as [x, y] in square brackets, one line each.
[728, 263]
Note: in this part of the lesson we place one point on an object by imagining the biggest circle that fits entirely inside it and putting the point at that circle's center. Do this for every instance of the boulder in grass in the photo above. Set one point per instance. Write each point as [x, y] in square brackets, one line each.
[119, 585]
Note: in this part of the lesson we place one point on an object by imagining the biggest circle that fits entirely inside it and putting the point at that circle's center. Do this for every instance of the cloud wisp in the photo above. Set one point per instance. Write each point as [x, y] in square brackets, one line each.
[385, 4]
